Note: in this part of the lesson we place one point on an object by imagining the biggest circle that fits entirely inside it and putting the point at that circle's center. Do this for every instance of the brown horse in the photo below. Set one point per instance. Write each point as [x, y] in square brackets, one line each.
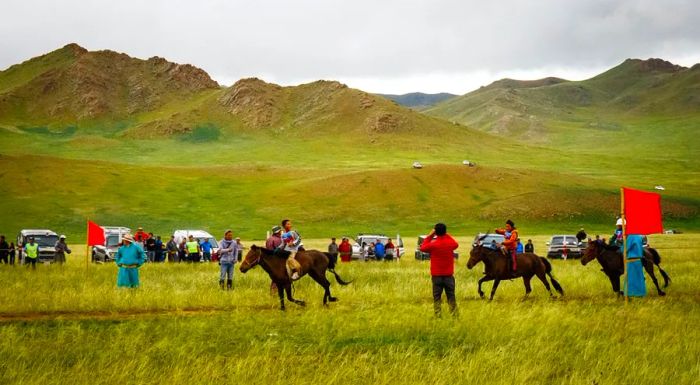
[313, 262]
[496, 269]
[610, 259]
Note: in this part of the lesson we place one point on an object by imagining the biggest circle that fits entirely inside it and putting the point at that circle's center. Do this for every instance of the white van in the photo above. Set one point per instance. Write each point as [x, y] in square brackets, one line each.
[200, 236]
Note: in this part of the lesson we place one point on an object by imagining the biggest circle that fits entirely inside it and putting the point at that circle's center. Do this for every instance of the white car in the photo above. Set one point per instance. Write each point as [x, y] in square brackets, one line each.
[113, 238]
[200, 236]
[45, 239]
[373, 238]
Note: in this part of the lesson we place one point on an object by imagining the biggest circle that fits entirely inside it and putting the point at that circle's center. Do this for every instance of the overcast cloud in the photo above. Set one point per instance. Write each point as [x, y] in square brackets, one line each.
[378, 46]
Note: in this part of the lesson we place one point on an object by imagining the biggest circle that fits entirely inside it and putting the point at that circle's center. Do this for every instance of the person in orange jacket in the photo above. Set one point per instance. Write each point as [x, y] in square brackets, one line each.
[510, 243]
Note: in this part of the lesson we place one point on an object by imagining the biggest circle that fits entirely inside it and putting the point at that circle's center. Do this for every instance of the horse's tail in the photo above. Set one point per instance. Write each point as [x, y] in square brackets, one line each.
[337, 277]
[548, 270]
[657, 260]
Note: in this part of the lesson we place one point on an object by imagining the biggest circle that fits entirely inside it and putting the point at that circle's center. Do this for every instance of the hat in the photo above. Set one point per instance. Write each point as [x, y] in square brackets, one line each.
[140, 228]
[619, 222]
[276, 229]
[228, 231]
[128, 238]
[62, 237]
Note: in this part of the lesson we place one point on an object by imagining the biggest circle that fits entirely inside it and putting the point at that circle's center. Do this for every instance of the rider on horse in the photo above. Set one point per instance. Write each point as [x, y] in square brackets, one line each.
[291, 242]
[510, 243]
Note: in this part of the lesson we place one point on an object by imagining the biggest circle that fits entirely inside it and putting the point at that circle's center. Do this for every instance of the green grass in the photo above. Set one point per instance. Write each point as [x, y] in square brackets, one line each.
[67, 324]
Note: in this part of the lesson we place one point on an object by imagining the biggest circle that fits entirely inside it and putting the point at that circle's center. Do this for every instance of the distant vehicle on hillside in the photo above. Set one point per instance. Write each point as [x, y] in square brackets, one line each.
[113, 239]
[45, 239]
[417, 165]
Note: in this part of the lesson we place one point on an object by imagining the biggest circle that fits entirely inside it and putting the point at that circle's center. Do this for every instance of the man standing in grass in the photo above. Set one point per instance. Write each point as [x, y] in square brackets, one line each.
[172, 249]
[441, 247]
[61, 250]
[31, 253]
[206, 250]
[129, 258]
[333, 252]
[228, 254]
[345, 250]
[4, 250]
[192, 247]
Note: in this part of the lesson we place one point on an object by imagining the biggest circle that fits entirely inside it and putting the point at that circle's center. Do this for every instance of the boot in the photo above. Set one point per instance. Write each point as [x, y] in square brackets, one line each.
[221, 284]
[229, 284]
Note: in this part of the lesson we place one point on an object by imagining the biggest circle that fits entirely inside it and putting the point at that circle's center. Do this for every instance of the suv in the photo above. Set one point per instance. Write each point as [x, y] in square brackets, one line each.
[421, 256]
[370, 238]
[46, 239]
[113, 238]
[564, 246]
[200, 236]
[487, 239]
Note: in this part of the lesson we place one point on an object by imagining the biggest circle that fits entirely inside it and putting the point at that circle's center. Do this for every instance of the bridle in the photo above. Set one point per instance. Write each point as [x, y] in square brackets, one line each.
[256, 261]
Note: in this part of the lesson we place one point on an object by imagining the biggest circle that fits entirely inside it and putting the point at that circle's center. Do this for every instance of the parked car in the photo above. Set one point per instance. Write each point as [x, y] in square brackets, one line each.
[421, 256]
[45, 239]
[417, 165]
[564, 246]
[373, 238]
[487, 239]
[113, 239]
[200, 236]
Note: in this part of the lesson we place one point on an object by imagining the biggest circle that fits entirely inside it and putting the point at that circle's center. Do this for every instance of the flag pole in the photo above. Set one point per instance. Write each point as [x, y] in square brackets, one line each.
[87, 245]
[624, 243]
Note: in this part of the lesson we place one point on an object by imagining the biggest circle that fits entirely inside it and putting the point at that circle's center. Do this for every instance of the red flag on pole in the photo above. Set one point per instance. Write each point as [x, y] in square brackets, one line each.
[95, 235]
[642, 212]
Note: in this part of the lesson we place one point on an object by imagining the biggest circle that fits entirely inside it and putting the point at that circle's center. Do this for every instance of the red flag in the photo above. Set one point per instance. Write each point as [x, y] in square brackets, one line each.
[95, 235]
[642, 212]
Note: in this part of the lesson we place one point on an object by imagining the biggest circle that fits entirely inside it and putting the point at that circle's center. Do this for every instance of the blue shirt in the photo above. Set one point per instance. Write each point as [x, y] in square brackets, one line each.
[206, 247]
[520, 248]
[131, 254]
[379, 249]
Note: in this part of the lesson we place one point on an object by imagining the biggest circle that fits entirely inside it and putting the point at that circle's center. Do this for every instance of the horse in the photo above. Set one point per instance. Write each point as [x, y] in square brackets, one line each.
[496, 269]
[610, 259]
[313, 262]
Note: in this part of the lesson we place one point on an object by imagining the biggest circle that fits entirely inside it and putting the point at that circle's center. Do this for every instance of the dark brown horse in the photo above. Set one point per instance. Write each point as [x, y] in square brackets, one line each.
[610, 259]
[496, 269]
[313, 262]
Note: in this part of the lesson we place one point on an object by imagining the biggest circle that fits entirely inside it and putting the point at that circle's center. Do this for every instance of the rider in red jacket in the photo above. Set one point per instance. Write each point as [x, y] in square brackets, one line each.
[510, 243]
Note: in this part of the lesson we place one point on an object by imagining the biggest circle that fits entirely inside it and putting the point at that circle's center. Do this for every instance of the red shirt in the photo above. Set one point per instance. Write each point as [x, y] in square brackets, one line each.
[345, 247]
[441, 248]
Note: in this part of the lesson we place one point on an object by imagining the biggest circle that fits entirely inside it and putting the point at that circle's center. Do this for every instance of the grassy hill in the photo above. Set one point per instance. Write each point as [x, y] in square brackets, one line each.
[548, 110]
[335, 159]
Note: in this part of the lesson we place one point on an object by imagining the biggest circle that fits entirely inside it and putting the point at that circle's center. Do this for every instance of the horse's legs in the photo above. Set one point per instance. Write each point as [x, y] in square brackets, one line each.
[493, 289]
[543, 277]
[280, 292]
[288, 289]
[526, 282]
[482, 280]
[667, 279]
[323, 281]
[649, 267]
[615, 281]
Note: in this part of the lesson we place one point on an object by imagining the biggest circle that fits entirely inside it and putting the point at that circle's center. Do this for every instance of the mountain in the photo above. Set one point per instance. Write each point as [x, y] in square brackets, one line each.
[418, 100]
[632, 91]
[72, 84]
[72, 88]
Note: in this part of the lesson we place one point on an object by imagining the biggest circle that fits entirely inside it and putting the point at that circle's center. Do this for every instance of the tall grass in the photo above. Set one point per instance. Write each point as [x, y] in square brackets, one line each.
[69, 325]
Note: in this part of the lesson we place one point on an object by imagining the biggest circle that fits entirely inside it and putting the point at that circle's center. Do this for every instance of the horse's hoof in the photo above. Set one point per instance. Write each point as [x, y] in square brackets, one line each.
[661, 293]
[301, 303]
[333, 299]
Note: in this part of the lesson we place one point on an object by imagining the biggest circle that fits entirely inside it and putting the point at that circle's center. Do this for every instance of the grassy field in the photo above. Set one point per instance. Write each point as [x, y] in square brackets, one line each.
[69, 324]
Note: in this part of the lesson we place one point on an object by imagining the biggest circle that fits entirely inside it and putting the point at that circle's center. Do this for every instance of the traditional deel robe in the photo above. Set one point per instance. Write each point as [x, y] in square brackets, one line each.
[635, 285]
[129, 258]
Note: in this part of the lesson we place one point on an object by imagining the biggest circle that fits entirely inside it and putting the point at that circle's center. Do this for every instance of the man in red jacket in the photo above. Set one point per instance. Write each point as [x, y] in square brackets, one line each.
[441, 247]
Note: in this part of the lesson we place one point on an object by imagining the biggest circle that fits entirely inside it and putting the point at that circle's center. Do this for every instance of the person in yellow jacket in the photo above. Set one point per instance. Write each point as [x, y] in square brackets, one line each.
[31, 253]
[193, 249]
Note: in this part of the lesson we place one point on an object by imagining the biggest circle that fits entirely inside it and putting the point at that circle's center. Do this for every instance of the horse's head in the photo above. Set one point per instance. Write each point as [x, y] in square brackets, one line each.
[252, 258]
[476, 255]
[592, 251]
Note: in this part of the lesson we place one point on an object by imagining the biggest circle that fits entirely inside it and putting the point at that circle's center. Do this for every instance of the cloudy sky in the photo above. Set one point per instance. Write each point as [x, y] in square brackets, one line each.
[378, 46]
